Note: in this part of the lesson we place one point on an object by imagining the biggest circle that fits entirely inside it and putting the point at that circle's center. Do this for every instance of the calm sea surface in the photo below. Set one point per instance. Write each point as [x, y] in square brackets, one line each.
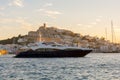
[92, 67]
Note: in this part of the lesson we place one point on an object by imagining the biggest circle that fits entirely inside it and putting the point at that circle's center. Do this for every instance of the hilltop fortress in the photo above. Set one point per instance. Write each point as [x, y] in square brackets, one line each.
[44, 33]
[53, 34]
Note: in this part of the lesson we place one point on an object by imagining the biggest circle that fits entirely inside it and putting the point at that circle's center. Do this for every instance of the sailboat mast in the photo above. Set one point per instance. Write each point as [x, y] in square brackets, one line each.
[112, 30]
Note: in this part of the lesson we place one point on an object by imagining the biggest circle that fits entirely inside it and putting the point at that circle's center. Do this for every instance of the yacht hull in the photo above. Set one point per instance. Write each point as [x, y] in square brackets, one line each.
[50, 54]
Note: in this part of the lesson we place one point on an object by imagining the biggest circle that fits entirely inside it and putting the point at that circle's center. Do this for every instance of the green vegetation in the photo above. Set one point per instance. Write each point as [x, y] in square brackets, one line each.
[11, 40]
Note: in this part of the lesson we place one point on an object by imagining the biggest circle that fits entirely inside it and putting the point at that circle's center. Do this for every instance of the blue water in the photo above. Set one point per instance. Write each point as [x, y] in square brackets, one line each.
[91, 67]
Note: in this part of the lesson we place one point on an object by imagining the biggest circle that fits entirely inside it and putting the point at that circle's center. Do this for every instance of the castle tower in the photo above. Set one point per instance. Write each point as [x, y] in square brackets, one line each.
[44, 25]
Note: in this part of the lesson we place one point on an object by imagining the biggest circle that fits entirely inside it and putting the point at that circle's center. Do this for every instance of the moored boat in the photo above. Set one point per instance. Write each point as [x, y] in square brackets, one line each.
[51, 49]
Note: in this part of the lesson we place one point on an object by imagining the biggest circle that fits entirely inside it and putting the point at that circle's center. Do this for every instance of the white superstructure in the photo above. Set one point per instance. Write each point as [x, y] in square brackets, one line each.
[50, 45]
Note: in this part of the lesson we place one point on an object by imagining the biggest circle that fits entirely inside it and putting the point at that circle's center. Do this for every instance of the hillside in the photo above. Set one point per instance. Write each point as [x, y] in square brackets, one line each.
[11, 40]
[68, 37]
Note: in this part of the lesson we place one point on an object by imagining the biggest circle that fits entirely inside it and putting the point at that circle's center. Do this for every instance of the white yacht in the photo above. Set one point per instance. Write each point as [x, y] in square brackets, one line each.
[51, 49]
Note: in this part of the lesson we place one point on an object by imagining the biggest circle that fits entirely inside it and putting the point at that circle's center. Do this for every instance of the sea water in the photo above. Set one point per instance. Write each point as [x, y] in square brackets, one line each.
[94, 66]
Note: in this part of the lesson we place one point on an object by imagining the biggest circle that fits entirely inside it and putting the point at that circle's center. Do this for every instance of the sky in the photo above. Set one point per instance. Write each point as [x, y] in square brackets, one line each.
[87, 17]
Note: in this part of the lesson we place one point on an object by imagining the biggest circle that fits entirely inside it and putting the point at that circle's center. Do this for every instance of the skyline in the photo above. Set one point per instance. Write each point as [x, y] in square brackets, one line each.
[80, 16]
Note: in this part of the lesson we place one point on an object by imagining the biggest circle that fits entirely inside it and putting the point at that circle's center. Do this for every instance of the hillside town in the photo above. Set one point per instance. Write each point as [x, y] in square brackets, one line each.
[62, 36]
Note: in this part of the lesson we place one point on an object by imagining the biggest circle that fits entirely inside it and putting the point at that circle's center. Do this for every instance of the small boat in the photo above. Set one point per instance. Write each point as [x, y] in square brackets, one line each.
[51, 49]
[3, 52]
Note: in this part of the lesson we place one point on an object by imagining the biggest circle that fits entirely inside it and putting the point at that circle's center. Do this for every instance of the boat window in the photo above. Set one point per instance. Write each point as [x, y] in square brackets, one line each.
[46, 49]
[41, 49]
[54, 45]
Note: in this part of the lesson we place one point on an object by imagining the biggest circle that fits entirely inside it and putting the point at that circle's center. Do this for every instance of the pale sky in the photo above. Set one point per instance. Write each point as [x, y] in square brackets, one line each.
[87, 17]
